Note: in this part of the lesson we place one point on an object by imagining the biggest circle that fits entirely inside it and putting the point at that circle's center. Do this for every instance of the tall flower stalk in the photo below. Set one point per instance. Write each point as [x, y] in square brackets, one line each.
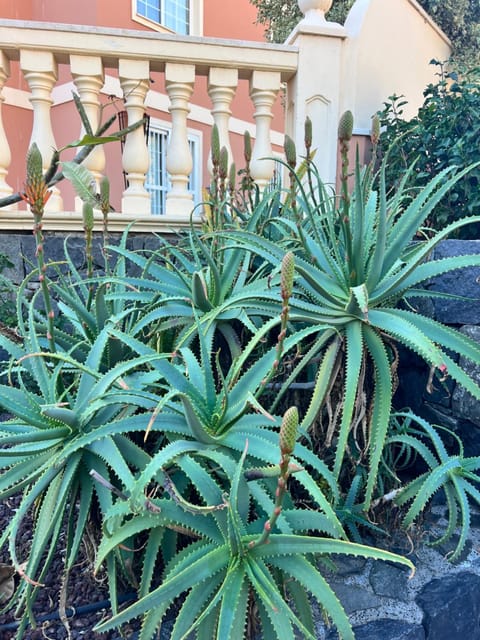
[36, 195]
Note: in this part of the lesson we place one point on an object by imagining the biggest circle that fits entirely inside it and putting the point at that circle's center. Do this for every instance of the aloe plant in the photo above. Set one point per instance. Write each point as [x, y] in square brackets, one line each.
[356, 260]
[67, 418]
[456, 474]
[227, 287]
[213, 407]
[235, 557]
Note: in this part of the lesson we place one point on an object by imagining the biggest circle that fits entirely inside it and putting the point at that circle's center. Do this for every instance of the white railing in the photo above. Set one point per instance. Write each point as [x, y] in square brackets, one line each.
[90, 54]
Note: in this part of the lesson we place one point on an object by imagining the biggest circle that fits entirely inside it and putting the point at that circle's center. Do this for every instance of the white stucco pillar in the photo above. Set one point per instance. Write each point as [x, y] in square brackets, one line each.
[315, 90]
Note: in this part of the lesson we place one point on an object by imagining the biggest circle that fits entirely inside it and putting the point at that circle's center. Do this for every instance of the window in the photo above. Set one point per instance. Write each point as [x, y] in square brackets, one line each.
[172, 14]
[157, 180]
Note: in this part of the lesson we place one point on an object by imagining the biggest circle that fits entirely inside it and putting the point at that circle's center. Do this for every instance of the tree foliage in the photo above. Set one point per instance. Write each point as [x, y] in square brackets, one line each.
[460, 19]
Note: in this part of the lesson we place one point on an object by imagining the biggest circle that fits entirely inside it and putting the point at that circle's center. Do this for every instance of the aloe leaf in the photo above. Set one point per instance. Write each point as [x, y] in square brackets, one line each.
[82, 180]
[323, 287]
[434, 268]
[62, 414]
[288, 545]
[382, 401]
[198, 427]
[452, 508]
[264, 584]
[448, 337]
[213, 561]
[376, 262]
[433, 481]
[415, 444]
[152, 622]
[22, 473]
[357, 225]
[313, 582]
[85, 494]
[301, 601]
[401, 328]
[418, 211]
[208, 489]
[51, 515]
[43, 435]
[107, 450]
[159, 460]
[462, 500]
[194, 604]
[303, 520]
[322, 384]
[89, 140]
[354, 359]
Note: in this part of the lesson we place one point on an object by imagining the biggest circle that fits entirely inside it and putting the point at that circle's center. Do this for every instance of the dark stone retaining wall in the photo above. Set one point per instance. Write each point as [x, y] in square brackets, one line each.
[449, 404]
[440, 602]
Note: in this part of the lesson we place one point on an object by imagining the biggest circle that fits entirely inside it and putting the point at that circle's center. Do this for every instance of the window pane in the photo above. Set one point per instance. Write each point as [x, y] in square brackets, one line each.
[157, 178]
[157, 181]
[173, 14]
[176, 15]
[149, 9]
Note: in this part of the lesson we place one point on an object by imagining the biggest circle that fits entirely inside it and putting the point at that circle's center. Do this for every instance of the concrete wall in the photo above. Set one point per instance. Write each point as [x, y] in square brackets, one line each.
[388, 48]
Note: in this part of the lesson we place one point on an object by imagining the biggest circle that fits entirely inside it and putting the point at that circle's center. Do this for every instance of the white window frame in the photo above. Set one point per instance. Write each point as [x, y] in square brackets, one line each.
[195, 140]
[195, 14]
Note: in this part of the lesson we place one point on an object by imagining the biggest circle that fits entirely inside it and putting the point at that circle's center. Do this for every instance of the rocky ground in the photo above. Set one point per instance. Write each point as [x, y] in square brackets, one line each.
[440, 602]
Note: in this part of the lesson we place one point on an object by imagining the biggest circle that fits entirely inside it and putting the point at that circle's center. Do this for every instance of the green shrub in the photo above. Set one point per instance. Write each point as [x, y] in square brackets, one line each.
[444, 134]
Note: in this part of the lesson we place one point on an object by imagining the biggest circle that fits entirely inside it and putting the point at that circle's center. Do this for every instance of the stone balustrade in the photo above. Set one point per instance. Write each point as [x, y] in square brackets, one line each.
[39, 49]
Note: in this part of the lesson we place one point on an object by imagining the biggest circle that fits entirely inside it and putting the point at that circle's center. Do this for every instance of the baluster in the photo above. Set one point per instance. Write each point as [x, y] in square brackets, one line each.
[5, 155]
[40, 71]
[264, 87]
[222, 84]
[179, 80]
[135, 81]
[87, 73]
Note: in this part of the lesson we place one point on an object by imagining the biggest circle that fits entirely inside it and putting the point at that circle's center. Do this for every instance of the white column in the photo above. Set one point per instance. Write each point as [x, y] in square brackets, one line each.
[315, 91]
[264, 87]
[222, 84]
[5, 155]
[135, 81]
[179, 81]
[40, 71]
[87, 73]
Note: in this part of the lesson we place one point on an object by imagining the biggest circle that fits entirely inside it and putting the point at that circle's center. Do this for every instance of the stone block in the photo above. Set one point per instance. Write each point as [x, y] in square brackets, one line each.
[451, 607]
[464, 405]
[355, 598]
[389, 580]
[11, 248]
[385, 629]
[462, 282]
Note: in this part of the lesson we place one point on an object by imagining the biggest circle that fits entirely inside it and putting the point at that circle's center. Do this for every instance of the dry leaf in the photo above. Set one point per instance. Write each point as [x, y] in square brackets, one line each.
[7, 583]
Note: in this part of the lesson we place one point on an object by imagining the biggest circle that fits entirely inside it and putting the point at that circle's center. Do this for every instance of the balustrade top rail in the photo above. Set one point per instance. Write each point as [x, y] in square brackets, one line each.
[111, 44]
